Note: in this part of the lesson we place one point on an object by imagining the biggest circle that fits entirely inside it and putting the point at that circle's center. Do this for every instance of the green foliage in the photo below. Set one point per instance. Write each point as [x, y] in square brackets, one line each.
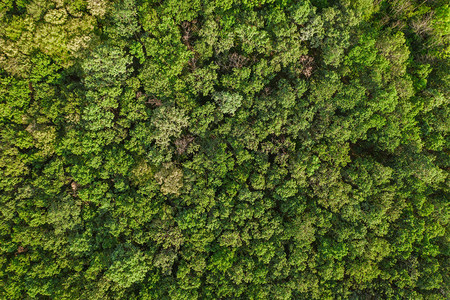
[169, 123]
[128, 268]
[228, 103]
[170, 178]
[224, 149]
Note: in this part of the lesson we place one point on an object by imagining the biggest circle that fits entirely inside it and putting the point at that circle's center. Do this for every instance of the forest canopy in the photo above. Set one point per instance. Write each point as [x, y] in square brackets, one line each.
[224, 149]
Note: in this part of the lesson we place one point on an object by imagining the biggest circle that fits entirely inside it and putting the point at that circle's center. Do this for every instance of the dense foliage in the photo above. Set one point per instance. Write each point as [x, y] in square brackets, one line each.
[224, 149]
